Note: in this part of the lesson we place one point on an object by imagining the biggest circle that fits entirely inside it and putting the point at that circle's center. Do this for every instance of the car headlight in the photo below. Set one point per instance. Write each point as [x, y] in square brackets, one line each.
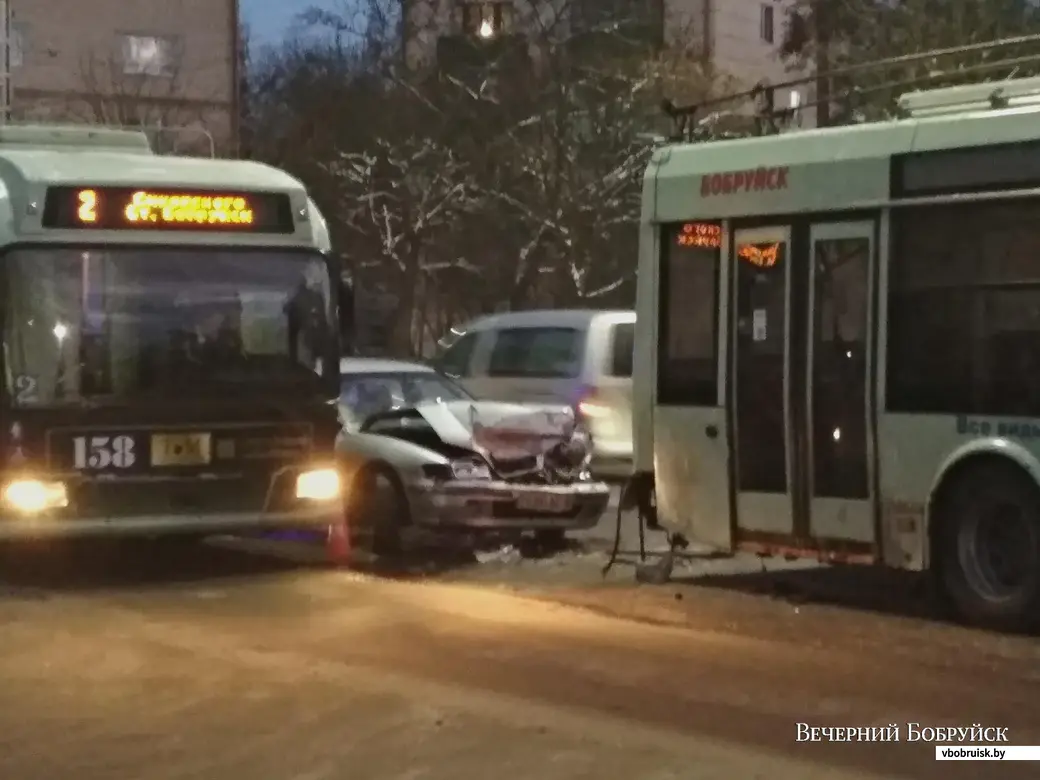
[318, 485]
[470, 468]
[32, 496]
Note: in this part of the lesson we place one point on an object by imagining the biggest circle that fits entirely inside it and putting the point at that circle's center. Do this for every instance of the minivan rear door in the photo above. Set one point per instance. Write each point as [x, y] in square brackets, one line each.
[608, 404]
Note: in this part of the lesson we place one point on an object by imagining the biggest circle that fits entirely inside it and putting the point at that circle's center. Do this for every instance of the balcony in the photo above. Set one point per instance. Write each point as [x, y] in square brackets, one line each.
[464, 54]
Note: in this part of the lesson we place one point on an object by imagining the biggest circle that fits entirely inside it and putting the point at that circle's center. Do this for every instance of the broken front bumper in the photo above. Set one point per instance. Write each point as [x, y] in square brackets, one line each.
[506, 506]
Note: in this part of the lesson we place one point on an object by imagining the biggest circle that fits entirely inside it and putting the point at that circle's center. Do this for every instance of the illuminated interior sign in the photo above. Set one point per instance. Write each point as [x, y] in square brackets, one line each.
[140, 208]
[762, 255]
[700, 234]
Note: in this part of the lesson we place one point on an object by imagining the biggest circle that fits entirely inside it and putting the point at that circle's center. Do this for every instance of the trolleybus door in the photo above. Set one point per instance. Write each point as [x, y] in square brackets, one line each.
[760, 382]
[838, 396]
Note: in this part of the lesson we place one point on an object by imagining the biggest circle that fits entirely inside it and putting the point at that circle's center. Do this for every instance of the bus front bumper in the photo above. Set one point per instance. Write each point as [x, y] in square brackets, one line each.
[33, 507]
[42, 526]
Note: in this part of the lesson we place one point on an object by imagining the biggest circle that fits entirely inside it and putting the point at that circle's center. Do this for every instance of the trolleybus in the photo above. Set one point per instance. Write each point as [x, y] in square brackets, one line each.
[838, 344]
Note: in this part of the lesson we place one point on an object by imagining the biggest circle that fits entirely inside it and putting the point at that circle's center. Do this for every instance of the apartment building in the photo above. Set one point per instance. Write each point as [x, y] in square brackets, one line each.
[171, 66]
[741, 38]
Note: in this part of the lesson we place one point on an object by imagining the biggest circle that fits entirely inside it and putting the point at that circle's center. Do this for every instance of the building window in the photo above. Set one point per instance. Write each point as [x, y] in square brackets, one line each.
[16, 49]
[767, 24]
[486, 20]
[149, 55]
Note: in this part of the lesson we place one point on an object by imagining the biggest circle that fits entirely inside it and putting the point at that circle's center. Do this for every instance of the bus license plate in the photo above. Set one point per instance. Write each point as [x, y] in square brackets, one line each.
[181, 449]
[555, 503]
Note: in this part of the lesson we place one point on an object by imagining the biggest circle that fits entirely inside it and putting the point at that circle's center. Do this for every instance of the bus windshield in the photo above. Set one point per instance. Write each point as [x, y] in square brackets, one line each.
[132, 322]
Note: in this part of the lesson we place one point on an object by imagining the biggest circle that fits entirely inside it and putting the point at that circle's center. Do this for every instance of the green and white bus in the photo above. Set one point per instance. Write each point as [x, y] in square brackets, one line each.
[838, 344]
[170, 342]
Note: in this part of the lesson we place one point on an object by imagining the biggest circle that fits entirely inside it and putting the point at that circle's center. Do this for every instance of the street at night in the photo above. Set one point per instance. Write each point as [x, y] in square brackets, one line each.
[231, 660]
[498, 390]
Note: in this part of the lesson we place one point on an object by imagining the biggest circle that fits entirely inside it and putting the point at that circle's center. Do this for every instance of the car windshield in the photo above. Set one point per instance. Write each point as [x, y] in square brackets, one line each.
[365, 394]
[127, 322]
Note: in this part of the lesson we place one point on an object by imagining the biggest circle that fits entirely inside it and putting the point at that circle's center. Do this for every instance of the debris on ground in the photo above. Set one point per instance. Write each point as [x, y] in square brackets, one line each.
[506, 554]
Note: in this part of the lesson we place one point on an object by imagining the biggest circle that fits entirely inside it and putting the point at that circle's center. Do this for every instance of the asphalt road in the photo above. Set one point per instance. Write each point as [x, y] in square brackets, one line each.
[229, 663]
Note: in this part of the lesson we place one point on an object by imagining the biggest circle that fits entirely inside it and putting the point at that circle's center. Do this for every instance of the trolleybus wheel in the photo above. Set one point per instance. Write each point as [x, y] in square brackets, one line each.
[989, 547]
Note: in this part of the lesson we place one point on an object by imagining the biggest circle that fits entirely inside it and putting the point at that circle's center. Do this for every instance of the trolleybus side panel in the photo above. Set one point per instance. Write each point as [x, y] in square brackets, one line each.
[691, 435]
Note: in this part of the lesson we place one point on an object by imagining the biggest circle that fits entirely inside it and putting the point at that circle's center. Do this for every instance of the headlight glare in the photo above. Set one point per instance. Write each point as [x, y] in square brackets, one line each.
[32, 496]
[318, 485]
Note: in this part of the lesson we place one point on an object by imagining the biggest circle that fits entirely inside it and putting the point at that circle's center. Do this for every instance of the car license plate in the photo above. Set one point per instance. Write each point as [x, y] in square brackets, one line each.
[181, 449]
[554, 503]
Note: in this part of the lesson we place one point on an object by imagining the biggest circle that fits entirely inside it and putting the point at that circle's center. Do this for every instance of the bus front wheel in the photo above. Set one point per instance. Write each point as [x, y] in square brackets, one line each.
[988, 547]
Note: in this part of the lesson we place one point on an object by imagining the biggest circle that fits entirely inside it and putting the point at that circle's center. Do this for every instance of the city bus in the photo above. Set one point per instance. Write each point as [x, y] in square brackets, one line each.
[838, 345]
[170, 342]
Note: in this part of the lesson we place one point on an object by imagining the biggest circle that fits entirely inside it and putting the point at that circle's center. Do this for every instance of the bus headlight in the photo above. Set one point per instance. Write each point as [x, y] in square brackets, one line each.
[318, 485]
[32, 496]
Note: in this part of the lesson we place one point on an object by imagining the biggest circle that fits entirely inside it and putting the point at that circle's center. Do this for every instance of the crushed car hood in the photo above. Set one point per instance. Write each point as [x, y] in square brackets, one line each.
[501, 430]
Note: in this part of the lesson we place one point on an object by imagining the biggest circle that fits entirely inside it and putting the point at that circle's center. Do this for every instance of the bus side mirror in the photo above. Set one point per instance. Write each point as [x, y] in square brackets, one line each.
[347, 333]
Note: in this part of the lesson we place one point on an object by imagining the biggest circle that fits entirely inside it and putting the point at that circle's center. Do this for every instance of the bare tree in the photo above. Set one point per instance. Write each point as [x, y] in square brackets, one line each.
[572, 154]
[503, 172]
[403, 203]
[827, 35]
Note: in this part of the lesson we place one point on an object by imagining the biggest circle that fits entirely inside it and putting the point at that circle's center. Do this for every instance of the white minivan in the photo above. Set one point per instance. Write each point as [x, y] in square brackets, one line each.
[578, 357]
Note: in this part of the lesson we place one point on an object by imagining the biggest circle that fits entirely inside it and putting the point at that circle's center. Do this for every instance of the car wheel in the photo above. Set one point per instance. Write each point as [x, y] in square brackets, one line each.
[988, 547]
[378, 511]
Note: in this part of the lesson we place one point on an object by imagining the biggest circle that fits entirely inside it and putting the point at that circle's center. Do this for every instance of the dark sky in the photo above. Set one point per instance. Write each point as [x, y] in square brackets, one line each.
[268, 19]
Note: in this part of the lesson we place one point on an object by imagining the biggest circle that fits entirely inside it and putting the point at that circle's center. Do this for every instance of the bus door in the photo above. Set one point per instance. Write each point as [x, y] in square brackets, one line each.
[760, 383]
[838, 396]
[799, 393]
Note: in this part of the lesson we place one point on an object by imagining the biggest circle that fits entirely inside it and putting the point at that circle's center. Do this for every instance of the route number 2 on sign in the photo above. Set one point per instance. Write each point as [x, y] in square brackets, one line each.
[94, 453]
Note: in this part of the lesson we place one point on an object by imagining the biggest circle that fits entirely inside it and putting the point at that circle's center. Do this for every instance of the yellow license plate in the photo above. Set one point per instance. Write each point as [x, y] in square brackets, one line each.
[182, 449]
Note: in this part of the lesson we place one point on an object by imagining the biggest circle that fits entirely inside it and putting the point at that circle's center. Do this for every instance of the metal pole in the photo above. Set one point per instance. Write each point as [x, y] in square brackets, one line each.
[5, 61]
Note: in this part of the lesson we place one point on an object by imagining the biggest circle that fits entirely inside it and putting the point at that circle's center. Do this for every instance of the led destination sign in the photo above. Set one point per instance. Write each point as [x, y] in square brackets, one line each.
[132, 208]
[700, 234]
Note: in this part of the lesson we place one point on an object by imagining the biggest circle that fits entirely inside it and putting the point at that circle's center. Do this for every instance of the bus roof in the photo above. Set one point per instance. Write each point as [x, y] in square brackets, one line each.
[819, 170]
[89, 167]
[33, 160]
[81, 136]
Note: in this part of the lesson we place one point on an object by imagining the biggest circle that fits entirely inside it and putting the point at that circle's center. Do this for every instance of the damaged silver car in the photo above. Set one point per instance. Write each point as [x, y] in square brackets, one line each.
[424, 454]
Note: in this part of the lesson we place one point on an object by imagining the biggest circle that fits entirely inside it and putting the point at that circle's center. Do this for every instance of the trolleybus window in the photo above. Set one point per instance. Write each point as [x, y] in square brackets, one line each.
[996, 167]
[135, 322]
[964, 309]
[688, 299]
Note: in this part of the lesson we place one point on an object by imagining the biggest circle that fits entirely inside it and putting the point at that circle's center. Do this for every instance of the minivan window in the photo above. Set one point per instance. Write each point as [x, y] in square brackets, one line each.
[455, 360]
[545, 353]
[623, 345]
